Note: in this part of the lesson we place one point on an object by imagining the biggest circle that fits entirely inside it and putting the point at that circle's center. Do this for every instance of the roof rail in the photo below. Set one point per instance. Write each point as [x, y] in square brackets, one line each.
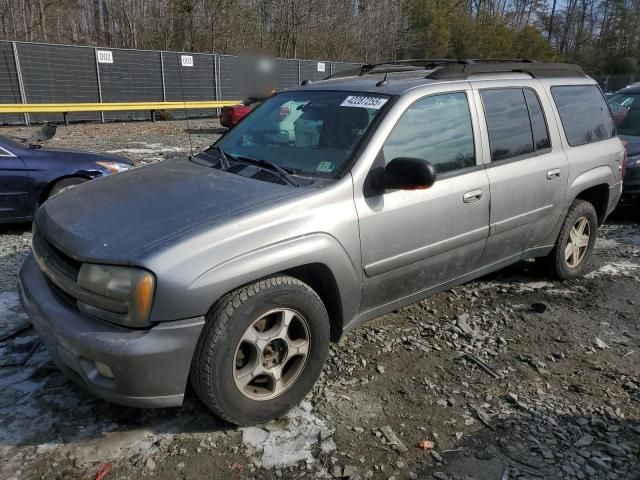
[463, 70]
[394, 66]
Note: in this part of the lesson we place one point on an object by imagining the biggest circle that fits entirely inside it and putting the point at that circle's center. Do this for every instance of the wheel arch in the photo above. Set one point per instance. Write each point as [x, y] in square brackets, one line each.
[318, 260]
[593, 187]
[44, 194]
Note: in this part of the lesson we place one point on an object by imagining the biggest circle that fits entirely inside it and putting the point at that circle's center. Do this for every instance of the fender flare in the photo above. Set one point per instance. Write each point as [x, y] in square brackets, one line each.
[315, 248]
[602, 175]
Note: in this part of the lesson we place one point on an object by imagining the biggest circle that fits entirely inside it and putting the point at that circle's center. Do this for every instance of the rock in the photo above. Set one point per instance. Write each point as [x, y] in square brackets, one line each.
[600, 344]
[150, 464]
[462, 322]
[380, 369]
[411, 476]
[584, 441]
[350, 471]
[436, 456]
[597, 464]
[393, 439]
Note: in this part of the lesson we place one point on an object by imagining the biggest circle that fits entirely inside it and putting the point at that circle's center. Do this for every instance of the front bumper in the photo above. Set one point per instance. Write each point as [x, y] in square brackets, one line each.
[150, 367]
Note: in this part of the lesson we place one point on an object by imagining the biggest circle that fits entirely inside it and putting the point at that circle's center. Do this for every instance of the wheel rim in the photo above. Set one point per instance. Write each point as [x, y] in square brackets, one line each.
[578, 242]
[271, 354]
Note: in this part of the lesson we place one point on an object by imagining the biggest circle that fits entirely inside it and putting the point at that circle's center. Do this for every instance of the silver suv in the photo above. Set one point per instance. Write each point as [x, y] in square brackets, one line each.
[235, 268]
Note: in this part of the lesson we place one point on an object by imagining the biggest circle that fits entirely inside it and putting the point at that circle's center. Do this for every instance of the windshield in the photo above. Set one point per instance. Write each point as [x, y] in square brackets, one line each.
[305, 132]
[625, 108]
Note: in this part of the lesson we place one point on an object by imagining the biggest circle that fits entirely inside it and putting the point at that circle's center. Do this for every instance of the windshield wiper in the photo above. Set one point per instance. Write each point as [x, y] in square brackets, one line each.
[271, 166]
[224, 159]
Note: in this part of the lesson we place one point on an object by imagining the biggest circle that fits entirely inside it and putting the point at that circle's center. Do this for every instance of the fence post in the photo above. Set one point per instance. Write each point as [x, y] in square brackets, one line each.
[299, 72]
[23, 96]
[217, 76]
[164, 89]
[95, 55]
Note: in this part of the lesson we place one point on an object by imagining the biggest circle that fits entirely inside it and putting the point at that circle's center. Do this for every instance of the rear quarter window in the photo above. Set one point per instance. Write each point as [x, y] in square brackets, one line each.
[584, 114]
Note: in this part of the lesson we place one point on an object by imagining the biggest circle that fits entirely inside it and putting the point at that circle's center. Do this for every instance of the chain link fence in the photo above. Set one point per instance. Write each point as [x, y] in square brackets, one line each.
[45, 73]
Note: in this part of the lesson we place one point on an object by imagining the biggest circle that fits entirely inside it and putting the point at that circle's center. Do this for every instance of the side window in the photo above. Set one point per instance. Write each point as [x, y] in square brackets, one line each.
[5, 153]
[508, 123]
[438, 129]
[584, 114]
[538, 123]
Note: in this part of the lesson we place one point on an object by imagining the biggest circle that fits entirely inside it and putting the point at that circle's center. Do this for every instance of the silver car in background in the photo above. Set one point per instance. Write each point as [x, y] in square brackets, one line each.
[237, 267]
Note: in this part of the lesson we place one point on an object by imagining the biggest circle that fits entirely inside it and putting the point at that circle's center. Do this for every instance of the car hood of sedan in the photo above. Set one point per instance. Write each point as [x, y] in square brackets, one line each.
[118, 218]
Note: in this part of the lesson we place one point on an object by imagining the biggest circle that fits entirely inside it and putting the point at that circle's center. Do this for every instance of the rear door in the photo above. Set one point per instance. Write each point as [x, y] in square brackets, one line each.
[14, 186]
[526, 165]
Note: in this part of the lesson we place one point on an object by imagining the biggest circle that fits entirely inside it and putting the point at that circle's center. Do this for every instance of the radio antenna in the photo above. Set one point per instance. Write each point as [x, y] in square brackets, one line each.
[186, 112]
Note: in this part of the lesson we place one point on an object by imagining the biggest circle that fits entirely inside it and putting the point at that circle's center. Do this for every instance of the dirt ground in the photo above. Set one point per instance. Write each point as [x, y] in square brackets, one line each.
[514, 376]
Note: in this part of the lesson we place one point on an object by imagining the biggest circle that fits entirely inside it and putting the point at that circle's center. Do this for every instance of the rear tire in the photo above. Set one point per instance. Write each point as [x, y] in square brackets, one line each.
[64, 184]
[573, 249]
[261, 350]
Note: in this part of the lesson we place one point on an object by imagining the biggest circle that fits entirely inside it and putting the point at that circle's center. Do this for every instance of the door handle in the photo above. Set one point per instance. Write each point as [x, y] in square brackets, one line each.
[472, 196]
[553, 174]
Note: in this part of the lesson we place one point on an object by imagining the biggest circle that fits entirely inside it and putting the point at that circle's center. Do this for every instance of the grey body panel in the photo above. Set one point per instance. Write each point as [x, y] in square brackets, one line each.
[204, 232]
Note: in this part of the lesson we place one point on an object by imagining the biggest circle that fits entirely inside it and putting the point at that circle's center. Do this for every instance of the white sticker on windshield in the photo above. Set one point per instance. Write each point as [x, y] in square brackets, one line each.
[326, 167]
[374, 103]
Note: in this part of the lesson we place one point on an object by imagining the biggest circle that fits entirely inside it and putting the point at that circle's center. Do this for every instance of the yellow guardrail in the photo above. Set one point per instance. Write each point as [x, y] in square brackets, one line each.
[109, 107]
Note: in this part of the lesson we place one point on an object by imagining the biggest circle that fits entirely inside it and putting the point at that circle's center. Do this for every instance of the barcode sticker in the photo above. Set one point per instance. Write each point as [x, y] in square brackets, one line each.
[374, 103]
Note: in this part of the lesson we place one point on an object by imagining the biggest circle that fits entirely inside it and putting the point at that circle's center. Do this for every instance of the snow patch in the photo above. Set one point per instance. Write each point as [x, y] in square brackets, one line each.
[12, 316]
[615, 269]
[287, 442]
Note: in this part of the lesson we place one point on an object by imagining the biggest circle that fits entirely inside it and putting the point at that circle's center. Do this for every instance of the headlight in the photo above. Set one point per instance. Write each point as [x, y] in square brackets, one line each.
[129, 289]
[633, 161]
[114, 167]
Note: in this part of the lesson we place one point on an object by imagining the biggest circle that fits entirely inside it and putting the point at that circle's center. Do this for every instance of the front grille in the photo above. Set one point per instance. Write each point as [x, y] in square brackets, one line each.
[55, 258]
[62, 273]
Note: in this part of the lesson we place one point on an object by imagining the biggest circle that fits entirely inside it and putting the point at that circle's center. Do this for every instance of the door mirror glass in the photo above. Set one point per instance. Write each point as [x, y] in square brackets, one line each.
[405, 173]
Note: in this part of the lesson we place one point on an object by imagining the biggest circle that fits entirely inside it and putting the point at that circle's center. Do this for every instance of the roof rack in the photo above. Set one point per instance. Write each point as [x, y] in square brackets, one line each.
[394, 66]
[464, 69]
[451, 69]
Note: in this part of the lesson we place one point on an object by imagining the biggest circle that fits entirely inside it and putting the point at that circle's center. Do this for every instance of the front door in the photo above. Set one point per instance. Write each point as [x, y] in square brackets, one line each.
[413, 240]
[14, 186]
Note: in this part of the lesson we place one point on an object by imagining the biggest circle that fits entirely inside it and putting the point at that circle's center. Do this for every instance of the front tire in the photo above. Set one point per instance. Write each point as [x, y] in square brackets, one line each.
[574, 246]
[261, 351]
[65, 184]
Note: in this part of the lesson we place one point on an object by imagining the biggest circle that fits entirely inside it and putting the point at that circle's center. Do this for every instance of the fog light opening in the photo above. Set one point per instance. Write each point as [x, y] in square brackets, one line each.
[103, 369]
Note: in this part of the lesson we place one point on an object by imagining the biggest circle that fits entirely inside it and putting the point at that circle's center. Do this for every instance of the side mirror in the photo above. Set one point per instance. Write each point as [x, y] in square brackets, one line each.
[404, 173]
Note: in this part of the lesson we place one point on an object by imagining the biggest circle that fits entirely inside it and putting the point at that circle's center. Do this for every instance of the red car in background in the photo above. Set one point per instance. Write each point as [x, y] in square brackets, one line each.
[231, 115]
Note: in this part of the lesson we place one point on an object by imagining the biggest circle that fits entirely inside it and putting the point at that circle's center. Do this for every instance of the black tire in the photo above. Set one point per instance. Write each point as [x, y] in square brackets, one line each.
[63, 184]
[556, 261]
[213, 364]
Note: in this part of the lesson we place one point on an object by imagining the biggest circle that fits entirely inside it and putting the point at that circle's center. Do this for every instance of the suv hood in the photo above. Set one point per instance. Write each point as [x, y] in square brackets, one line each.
[117, 218]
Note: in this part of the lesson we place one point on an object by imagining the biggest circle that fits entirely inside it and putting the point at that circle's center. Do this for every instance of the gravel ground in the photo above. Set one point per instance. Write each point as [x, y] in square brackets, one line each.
[514, 376]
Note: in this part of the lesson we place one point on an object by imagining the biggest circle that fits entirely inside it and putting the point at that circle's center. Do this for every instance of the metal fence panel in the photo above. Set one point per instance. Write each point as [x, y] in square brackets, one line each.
[312, 70]
[9, 86]
[184, 83]
[134, 76]
[286, 73]
[58, 74]
[343, 66]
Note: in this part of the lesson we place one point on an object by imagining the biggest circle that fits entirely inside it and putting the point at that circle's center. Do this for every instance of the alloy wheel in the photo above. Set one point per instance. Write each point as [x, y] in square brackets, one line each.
[578, 242]
[271, 354]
